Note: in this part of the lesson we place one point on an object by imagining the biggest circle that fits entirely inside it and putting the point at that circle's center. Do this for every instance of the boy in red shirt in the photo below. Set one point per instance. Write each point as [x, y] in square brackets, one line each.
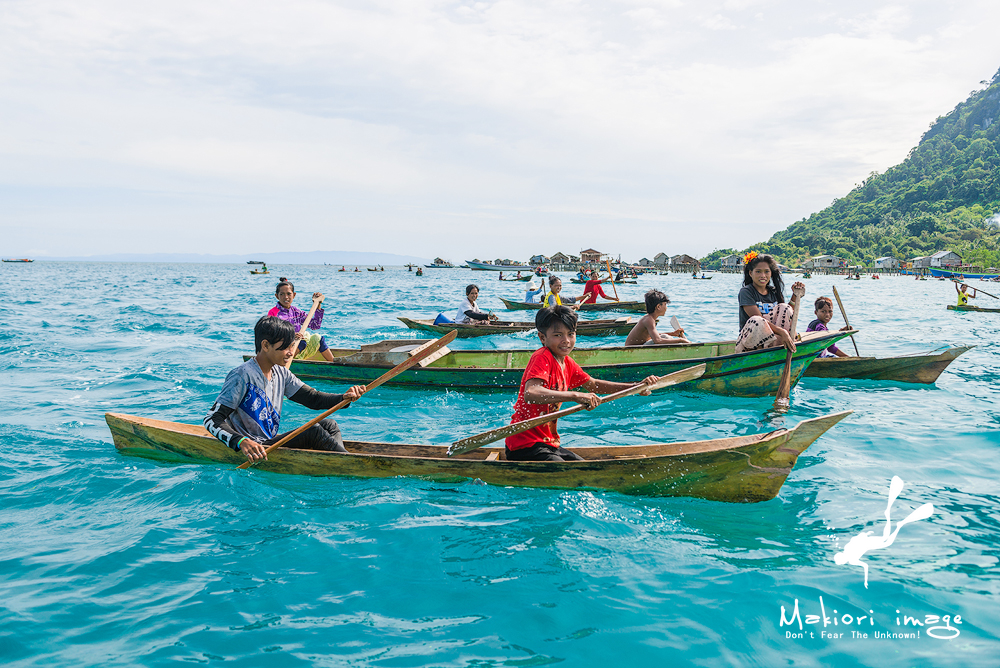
[592, 290]
[547, 381]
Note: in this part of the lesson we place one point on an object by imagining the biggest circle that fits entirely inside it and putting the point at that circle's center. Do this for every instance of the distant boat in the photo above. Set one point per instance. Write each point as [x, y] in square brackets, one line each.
[255, 262]
[942, 273]
[23, 259]
[482, 266]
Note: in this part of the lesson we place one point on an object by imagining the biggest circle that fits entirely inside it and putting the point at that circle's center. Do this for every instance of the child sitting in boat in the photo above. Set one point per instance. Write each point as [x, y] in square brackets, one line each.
[552, 297]
[532, 291]
[286, 310]
[963, 296]
[764, 316]
[469, 311]
[550, 375]
[247, 413]
[644, 333]
[592, 290]
[824, 313]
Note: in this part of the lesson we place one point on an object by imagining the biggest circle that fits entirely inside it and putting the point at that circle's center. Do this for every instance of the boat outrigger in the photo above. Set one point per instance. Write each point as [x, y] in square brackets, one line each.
[740, 469]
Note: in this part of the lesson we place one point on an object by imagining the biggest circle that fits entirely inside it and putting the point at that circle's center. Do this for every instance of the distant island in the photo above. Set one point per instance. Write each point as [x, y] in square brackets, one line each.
[944, 196]
[291, 257]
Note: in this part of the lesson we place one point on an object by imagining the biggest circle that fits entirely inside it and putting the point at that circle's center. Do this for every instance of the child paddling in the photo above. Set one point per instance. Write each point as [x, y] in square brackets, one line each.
[247, 413]
[824, 313]
[286, 310]
[548, 379]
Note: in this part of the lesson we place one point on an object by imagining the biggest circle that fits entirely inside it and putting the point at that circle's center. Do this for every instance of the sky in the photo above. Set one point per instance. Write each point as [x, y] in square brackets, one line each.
[460, 129]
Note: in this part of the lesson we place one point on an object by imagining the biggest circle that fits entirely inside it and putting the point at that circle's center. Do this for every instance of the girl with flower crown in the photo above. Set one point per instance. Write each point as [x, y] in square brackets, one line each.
[765, 318]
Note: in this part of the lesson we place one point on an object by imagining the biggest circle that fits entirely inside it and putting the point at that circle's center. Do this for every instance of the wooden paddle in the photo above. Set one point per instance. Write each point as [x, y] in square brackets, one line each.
[844, 313]
[785, 385]
[612, 277]
[675, 323]
[976, 289]
[493, 435]
[416, 356]
[305, 328]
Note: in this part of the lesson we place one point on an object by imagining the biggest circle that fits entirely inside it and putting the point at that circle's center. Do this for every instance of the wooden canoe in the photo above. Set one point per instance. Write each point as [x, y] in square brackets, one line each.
[750, 374]
[619, 327]
[259, 272]
[972, 309]
[631, 307]
[921, 368]
[741, 469]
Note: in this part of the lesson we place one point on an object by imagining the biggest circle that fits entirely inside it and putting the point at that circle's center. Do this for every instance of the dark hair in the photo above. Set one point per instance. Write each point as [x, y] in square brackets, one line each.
[776, 281]
[821, 301]
[273, 329]
[470, 287]
[282, 282]
[654, 298]
[547, 317]
[554, 279]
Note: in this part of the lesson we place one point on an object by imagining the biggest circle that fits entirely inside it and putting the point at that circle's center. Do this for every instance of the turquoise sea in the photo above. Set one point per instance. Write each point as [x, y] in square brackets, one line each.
[108, 560]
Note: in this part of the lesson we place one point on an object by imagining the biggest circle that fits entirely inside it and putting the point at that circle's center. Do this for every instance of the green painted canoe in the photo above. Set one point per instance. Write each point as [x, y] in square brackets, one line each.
[631, 307]
[741, 469]
[923, 368]
[619, 327]
[749, 374]
[972, 309]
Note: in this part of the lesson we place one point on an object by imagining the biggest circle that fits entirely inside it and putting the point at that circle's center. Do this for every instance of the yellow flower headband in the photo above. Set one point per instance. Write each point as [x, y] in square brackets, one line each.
[749, 256]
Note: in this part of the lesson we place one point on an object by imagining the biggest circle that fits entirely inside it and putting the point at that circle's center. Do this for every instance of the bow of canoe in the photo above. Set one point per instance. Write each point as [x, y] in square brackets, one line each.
[741, 469]
[924, 368]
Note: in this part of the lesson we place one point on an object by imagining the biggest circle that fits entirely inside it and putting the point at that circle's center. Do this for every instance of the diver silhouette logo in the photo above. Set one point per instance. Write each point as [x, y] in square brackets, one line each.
[867, 541]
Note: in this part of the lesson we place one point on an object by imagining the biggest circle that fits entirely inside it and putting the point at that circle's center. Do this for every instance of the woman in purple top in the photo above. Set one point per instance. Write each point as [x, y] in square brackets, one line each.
[286, 310]
[824, 312]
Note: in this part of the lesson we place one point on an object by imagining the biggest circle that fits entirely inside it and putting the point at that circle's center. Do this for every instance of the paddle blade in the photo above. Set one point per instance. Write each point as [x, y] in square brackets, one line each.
[675, 323]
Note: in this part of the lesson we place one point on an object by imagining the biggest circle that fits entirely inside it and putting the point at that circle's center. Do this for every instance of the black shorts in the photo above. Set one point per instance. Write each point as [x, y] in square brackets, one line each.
[541, 452]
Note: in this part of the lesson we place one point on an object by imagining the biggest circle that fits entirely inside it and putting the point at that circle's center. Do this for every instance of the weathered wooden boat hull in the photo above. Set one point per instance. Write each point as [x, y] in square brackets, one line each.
[583, 328]
[749, 374]
[972, 309]
[904, 369]
[259, 272]
[743, 469]
[631, 307]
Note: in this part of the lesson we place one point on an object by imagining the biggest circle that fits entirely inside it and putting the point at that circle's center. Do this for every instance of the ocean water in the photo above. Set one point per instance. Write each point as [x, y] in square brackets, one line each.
[107, 560]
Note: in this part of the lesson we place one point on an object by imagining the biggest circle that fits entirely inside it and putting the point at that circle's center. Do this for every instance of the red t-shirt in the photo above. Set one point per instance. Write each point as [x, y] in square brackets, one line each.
[543, 365]
[593, 286]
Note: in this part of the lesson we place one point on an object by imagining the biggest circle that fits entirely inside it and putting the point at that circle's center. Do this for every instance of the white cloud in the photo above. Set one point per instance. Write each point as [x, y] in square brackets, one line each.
[737, 116]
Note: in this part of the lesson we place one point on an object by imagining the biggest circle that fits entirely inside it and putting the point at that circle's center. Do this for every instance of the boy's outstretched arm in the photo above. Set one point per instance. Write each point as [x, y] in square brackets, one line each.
[609, 386]
[535, 392]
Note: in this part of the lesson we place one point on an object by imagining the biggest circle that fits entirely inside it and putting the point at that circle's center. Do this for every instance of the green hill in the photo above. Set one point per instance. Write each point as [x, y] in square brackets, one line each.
[944, 196]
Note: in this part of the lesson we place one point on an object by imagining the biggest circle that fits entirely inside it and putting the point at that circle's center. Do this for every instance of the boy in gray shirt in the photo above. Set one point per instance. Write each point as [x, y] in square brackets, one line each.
[247, 414]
